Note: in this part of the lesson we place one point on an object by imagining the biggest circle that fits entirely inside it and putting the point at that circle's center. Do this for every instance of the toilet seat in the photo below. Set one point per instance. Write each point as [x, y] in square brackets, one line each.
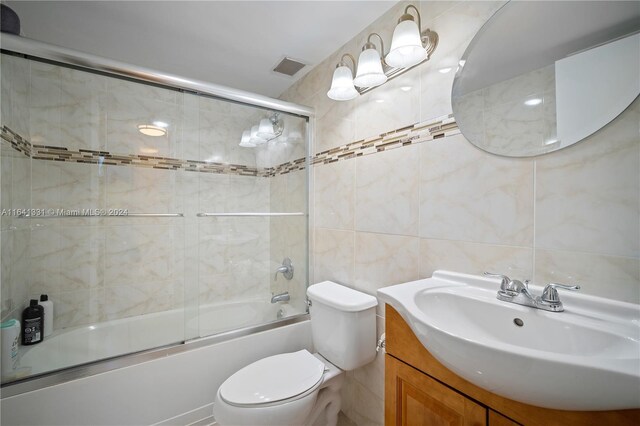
[273, 380]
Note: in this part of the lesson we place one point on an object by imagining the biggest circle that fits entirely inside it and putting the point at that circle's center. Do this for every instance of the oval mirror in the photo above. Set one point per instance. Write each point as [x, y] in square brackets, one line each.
[541, 76]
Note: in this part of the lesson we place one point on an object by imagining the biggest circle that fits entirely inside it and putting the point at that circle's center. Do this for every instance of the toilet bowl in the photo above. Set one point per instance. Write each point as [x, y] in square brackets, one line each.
[300, 388]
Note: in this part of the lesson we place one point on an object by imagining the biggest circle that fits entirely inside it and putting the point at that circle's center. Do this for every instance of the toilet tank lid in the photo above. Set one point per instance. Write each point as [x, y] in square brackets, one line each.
[340, 297]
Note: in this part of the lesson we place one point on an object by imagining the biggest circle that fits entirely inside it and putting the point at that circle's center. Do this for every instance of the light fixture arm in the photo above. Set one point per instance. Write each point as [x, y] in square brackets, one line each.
[353, 61]
[369, 44]
[406, 12]
[278, 126]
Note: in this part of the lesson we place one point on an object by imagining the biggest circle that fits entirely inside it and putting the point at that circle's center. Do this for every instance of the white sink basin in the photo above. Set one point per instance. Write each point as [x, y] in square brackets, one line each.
[585, 358]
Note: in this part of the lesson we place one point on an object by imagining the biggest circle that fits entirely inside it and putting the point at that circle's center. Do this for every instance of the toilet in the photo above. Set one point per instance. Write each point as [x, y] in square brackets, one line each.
[301, 388]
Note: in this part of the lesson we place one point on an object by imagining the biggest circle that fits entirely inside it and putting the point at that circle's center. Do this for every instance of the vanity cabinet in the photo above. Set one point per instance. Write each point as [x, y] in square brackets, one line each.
[419, 390]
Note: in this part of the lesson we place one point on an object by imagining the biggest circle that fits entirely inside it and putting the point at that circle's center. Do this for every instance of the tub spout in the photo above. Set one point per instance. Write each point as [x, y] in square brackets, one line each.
[282, 297]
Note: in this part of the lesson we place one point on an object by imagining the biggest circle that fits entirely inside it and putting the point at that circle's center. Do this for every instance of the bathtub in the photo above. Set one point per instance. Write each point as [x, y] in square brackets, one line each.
[84, 344]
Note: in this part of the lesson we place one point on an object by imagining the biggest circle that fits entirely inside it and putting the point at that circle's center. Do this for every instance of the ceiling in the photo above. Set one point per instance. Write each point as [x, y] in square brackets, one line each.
[233, 43]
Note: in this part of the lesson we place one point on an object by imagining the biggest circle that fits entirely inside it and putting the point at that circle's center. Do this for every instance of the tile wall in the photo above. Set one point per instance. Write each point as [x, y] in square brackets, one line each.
[87, 153]
[399, 214]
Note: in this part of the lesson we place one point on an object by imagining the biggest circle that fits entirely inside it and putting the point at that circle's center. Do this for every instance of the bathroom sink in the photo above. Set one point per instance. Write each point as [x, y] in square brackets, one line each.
[585, 358]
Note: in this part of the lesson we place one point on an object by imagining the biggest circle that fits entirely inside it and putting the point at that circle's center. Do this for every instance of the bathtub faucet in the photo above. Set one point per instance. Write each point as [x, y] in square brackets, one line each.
[282, 297]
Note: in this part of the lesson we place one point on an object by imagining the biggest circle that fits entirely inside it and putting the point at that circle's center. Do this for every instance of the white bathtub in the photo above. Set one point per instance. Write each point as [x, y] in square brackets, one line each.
[79, 345]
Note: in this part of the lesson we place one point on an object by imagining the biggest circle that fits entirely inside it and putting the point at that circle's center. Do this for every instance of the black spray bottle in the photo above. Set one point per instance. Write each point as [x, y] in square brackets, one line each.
[32, 323]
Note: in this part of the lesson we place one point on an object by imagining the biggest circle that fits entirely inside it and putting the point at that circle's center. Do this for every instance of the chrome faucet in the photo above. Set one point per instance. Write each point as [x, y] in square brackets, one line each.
[282, 297]
[286, 269]
[517, 292]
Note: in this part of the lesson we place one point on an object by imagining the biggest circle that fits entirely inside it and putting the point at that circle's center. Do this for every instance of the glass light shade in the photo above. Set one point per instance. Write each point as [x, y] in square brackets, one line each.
[265, 129]
[254, 138]
[245, 141]
[342, 88]
[406, 46]
[370, 72]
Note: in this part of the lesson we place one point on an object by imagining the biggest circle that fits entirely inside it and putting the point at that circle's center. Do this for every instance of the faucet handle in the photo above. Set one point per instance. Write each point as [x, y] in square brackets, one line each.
[505, 280]
[550, 294]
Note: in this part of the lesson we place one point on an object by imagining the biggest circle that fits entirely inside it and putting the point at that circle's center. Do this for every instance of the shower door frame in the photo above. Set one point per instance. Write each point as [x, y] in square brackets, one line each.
[37, 50]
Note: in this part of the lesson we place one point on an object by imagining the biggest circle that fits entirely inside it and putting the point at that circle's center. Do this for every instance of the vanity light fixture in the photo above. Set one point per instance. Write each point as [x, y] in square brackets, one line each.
[267, 130]
[410, 46]
[151, 130]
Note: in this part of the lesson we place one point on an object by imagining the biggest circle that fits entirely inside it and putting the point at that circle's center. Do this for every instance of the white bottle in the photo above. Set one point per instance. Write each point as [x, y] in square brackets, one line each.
[48, 314]
[10, 339]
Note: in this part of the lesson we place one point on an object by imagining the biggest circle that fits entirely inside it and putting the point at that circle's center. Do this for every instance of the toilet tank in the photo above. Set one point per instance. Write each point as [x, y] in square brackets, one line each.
[343, 324]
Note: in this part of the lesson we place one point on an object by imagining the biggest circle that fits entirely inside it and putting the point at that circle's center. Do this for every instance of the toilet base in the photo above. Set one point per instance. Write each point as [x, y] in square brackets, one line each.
[325, 410]
[327, 406]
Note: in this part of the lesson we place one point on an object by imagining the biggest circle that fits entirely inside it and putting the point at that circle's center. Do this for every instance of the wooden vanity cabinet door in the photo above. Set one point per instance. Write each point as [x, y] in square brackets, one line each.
[497, 419]
[414, 399]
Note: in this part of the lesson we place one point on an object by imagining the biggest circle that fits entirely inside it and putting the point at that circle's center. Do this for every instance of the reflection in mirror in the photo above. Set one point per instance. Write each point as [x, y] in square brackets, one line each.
[541, 76]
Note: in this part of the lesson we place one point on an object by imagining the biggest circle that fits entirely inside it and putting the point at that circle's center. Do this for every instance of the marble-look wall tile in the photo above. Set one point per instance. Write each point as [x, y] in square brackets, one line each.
[387, 192]
[67, 107]
[66, 259]
[588, 195]
[220, 134]
[126, 112]
[382, 260]
[456, 23]
[15, 187]
[334, 256]
[474, 258]
[141, 190]
[248, 194]
[75, 308]
[334, 195]
[138, 254]
[469, 195]
[363, 406]
[14, 94]
[394, 105]
[371, 375]
[140, 298]
[599, 275]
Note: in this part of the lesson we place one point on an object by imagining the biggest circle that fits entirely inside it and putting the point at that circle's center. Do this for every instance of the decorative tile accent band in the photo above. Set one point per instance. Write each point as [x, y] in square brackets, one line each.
[421, 132]
[16, 141]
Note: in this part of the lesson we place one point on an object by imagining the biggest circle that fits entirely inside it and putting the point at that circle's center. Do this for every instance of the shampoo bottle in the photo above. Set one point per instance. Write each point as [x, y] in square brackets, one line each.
[32, 323]
[10, 339]
[48, 314]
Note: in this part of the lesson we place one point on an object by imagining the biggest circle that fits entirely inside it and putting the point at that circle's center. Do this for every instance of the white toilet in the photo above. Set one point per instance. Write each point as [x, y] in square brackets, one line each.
[301, 388]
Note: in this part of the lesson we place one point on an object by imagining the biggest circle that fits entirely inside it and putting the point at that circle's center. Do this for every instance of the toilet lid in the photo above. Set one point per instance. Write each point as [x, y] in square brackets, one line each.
[274, 378]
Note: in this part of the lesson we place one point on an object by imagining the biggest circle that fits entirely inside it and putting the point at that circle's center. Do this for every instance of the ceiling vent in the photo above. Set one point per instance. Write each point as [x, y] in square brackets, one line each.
[289, 66]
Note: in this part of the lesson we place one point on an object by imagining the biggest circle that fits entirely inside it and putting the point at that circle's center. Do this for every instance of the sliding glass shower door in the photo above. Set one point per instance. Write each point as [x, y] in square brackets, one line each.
[143, 214]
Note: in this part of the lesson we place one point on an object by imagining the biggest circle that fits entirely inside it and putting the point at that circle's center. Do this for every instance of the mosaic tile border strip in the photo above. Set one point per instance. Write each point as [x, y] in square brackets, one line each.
[16, 141]
[43, 152]
[56, 153]
[437, 128]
